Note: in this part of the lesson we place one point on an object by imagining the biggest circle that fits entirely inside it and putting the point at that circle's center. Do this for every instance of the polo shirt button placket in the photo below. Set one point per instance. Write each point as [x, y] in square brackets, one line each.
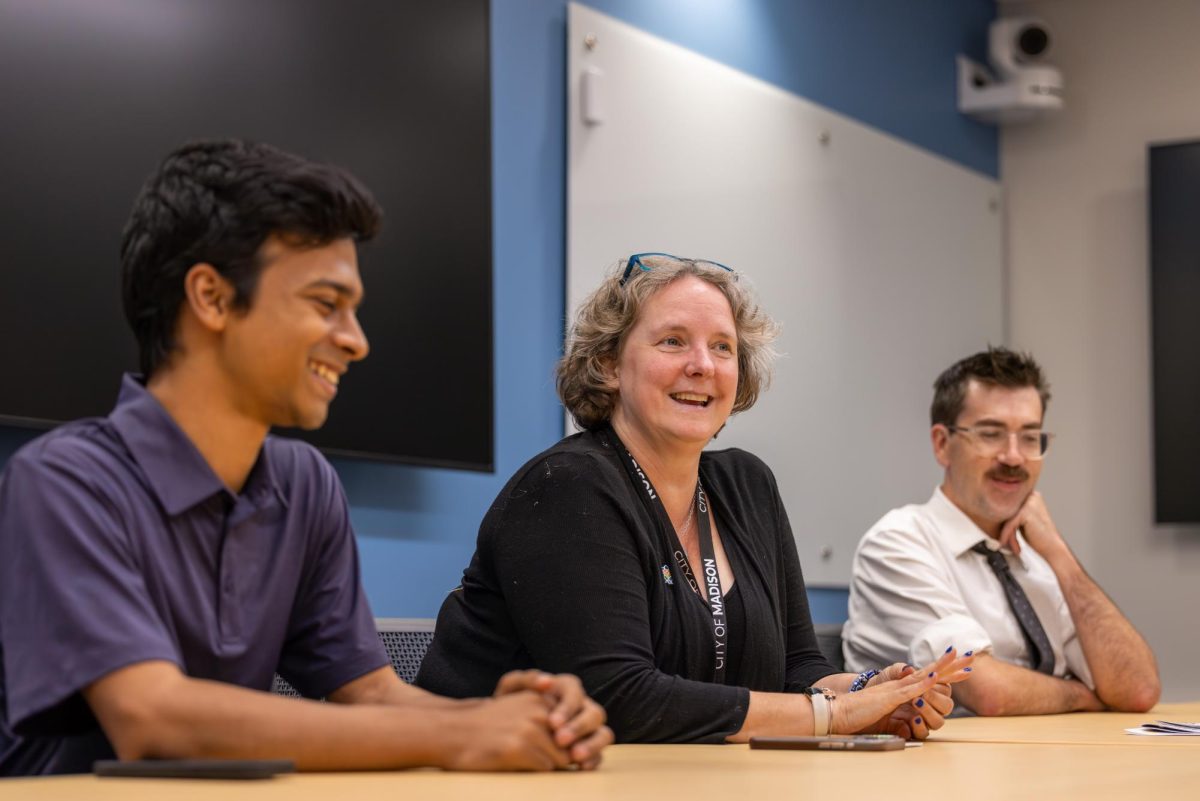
[231, 633]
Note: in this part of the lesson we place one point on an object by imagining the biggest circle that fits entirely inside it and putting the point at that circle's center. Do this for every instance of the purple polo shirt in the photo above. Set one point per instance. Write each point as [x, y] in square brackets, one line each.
[118, 544]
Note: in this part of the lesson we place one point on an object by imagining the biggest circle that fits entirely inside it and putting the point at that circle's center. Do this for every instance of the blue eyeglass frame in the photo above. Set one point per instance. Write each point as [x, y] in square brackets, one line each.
[636, 261]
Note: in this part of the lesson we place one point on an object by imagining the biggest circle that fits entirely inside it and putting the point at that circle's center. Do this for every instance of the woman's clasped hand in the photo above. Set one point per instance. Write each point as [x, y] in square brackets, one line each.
[903, 700]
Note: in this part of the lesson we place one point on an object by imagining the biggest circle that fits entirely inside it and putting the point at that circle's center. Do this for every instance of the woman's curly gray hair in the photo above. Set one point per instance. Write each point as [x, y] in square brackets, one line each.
[585, 372]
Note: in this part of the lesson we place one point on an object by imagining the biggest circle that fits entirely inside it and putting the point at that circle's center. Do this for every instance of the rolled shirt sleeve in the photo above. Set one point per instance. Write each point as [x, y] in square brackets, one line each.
[960, 631]
[904, 606]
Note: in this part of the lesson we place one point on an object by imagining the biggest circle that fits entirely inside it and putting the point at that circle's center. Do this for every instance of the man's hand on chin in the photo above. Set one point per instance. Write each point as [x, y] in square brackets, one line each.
[1036, 526]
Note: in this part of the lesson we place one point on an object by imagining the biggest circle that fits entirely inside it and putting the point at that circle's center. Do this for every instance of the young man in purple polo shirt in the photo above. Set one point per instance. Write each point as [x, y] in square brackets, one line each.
[159, 565]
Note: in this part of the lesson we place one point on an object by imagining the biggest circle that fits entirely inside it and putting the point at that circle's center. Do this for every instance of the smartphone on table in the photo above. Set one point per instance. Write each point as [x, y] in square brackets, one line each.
[832, 742]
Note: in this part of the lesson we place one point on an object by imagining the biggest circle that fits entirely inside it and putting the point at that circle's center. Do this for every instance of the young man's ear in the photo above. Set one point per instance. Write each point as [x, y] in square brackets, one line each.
[939, 436]
[208, 296]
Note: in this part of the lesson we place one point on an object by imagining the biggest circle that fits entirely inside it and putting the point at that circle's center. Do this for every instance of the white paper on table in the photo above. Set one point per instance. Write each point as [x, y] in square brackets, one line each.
[1167, 728]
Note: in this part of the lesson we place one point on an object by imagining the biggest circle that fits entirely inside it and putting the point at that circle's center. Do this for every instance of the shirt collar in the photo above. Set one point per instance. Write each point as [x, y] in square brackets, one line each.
[176, 471]
[960, 533]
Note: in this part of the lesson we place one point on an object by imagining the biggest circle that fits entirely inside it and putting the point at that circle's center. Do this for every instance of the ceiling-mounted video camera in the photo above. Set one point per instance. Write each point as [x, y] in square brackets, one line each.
[1020, 86]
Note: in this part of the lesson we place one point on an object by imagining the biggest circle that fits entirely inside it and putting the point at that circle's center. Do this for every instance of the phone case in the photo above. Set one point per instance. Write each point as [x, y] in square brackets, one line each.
[194, 768]
[832, 742]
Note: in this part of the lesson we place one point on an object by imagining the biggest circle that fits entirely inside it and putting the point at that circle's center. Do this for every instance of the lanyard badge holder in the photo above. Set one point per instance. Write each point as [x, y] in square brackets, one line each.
[710, 591]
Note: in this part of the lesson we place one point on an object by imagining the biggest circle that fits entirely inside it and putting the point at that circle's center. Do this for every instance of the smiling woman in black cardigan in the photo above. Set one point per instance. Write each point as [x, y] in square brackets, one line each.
[663, 575]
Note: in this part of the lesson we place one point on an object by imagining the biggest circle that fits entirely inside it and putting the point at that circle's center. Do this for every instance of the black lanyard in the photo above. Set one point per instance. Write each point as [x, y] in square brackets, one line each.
[710, 587]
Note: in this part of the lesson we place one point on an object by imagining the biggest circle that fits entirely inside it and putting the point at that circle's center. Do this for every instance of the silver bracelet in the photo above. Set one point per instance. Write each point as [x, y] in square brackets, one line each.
[822, 704]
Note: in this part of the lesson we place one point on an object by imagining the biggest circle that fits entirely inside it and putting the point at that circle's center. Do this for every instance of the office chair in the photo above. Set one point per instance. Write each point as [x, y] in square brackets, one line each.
[829, 640]
[406, 640]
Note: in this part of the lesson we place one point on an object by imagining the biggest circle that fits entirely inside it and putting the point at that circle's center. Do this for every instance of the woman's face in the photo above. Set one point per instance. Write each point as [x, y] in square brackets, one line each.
[677, 373]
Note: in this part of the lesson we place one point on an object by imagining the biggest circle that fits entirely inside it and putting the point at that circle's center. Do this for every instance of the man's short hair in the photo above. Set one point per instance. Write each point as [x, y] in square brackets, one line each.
[216, 202]
[999, 367]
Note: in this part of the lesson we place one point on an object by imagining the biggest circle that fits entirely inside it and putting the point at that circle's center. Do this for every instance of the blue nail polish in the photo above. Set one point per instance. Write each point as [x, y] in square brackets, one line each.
[968, 653]
[917, 721]
[951, 648]
[965, 670]
[920, 702]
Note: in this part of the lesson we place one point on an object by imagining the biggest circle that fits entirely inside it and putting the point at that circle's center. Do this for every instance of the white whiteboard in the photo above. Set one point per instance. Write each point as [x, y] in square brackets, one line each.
[882, 261]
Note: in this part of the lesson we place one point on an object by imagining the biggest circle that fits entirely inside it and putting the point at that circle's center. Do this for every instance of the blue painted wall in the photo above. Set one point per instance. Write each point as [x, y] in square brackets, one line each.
[889, 64]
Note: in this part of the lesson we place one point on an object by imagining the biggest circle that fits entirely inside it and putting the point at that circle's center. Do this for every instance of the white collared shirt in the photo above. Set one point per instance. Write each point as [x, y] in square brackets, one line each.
[918, 588]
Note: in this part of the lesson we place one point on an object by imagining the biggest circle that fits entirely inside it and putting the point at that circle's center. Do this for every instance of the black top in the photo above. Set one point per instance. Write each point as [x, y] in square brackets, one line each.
[572, 573]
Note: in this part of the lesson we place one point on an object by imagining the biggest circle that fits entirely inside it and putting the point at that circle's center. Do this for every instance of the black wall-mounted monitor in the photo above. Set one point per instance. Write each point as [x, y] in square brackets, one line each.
[93, 93]
[1175, 298]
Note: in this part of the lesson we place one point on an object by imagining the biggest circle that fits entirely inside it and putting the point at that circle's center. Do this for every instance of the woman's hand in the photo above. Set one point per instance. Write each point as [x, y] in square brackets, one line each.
[902, 701]
[916, 719]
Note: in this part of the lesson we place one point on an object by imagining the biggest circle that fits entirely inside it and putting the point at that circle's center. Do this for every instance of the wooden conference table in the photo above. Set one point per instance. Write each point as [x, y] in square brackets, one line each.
[1082, 756]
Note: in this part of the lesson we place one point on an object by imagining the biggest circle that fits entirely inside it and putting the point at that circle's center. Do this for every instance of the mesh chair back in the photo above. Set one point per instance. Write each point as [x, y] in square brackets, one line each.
[406, 640]
[829, 640]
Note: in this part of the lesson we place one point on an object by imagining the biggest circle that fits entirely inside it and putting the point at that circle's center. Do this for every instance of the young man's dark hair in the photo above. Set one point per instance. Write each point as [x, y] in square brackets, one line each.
[216, 202]
[995, 366]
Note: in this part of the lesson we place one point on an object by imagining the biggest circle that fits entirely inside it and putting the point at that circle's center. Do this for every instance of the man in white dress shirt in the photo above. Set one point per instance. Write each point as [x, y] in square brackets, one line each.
[982, 566]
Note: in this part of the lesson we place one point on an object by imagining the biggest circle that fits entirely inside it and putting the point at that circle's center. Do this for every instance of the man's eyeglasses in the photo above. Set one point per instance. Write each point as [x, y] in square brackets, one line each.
[648, 261]
[1032, 443]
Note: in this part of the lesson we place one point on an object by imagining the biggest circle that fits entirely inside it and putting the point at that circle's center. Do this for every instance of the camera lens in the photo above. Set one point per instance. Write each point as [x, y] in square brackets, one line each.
[1033, 41]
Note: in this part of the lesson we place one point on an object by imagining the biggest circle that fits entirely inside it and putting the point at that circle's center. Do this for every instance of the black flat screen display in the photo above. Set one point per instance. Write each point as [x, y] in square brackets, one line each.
[1175, 295]
[93, 93]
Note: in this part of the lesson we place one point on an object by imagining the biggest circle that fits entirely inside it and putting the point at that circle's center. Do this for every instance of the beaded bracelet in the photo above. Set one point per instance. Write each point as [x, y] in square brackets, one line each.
[862, 680]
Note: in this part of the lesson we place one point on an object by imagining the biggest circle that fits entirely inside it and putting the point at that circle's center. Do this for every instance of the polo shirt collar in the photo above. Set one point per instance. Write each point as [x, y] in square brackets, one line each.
[176, 471]
[959, 532]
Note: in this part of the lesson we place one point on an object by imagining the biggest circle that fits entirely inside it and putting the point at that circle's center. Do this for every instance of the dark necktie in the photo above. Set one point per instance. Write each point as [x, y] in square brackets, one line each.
[1040, 652]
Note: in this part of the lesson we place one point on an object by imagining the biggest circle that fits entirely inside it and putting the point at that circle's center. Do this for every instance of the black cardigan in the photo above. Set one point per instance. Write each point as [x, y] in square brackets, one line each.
[572, 574]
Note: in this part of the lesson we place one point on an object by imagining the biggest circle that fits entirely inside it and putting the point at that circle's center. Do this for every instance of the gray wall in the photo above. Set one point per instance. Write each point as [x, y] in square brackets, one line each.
[1079, 298]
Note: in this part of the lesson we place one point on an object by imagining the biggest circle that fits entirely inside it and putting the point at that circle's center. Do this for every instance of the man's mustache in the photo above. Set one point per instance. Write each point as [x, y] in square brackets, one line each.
[1008, 472]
